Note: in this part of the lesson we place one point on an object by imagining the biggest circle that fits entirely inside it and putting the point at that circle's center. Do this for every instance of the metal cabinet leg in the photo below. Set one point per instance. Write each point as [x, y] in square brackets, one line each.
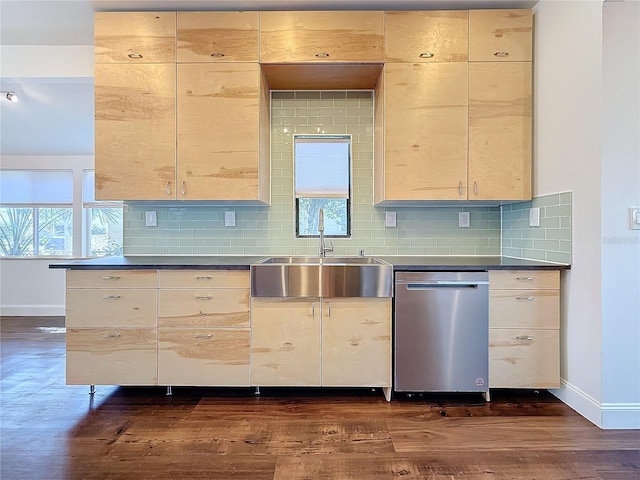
[169, 392]
[257, 391]
[487, 395]
[92, 389]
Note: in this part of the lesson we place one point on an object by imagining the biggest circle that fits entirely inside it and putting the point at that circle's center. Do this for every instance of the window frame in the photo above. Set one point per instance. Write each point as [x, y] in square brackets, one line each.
[349, 199]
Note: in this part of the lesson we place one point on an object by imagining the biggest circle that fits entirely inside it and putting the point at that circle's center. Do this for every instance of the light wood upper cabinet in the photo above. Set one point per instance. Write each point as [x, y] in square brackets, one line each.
[222, 132]
[424, 132]
[430, 36]
[321, 36]
[135, 37]
[500, 35]
[500, 119]
[135, 128]
[217, 37]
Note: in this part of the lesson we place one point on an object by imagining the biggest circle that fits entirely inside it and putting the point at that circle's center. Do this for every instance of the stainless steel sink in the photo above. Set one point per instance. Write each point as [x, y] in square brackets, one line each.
[321, 277]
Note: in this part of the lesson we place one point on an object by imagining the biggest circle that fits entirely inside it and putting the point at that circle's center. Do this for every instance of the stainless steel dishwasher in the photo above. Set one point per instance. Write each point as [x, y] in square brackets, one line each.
[441, 341]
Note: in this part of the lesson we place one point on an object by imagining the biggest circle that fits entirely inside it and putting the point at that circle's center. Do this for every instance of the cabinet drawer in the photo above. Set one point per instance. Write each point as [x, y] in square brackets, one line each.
[524, 279]
[110, 308]
[524, 308]
[500, 35]
[203, 308]
[204, 356]
[203, 279]
[127, 37]
[217, 37]
[321, 36]
[111, 279]
[122, 356]
[522, 358]
[431, 36]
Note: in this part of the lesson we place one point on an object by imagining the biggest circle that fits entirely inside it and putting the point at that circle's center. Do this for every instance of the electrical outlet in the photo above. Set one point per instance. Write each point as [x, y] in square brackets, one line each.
[230, 219]
[390, 219]
[534, 217]
[464, 219]
[634, 218]
[150, 219]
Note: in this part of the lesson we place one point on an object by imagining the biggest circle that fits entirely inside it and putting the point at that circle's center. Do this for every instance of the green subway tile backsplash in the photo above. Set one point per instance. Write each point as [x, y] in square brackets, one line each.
[270, 230]
[551, 241]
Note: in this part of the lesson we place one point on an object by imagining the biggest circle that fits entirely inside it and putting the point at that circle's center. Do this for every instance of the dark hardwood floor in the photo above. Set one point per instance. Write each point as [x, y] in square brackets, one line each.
[53, 431]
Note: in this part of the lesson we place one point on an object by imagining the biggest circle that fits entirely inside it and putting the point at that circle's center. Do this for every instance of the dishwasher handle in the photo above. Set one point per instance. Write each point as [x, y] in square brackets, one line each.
[443, 284]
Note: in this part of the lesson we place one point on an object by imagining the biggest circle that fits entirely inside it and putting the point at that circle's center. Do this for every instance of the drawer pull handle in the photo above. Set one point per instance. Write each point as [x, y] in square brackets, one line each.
[204, 336]
[203, 277]
[525, 278]
[460, 188]
[113, 277]
[203, 297]
[135, 56]
[217, 54]
[322, 55]
[111, 297]
[168, 188]
[354, 343]
[426, 55]
[204, 314]
[111, 335]
[501, 54]
[524, 337]
[525, 298]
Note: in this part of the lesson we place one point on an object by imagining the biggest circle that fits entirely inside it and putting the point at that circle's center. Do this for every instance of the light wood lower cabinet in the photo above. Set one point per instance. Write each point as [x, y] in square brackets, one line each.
[327, 342]
[356, 342]
[203, 332]
[111, 327]
[524, 329]
[285, 342]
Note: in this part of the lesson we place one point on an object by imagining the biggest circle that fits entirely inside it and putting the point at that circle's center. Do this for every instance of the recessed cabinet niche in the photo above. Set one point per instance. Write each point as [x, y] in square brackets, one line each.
[195, 130]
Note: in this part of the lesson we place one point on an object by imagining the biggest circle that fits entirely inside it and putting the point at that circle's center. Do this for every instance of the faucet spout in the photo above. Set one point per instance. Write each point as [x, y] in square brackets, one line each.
[322, 249]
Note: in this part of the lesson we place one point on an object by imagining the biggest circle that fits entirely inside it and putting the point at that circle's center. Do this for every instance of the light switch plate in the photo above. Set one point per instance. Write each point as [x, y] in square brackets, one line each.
[634, 218]
[150, 218]
[534, 217]
[464, 219]
[390, 219]
[230, 219]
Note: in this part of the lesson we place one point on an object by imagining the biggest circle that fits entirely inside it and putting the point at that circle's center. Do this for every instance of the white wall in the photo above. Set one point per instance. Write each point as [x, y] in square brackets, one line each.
[571, 153]
[620, 190]
[29, 287]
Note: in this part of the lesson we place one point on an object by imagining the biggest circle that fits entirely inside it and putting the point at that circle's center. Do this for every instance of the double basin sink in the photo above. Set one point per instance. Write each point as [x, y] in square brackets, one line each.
[321, 277]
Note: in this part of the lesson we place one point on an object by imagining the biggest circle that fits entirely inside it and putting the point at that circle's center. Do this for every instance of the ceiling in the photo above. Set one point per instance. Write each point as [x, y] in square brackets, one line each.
[55, 114]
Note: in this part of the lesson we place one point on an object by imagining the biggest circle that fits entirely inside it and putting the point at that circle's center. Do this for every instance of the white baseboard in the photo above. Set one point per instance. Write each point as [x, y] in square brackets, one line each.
[603, 415]
[32, 310]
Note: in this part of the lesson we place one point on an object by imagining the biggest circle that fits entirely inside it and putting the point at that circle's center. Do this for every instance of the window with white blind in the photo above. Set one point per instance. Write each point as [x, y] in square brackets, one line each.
[36, 213]
[322, 180]
[46, 212]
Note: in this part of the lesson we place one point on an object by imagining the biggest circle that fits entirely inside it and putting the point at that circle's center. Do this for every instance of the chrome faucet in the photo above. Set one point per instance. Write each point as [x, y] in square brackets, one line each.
[322, 249]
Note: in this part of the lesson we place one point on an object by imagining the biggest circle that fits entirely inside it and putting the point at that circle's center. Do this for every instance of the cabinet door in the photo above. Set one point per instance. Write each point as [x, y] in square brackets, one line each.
[217, 37]
[500, 35]
[431, 36]
[524, 358]
[135, 37]
[135, 130]
[425, 131]
[203, 356]
[116, 356]
[111, 279]
[356, 342]
[499, 131]
[285, 342]
[218, 131]
[321, 36]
